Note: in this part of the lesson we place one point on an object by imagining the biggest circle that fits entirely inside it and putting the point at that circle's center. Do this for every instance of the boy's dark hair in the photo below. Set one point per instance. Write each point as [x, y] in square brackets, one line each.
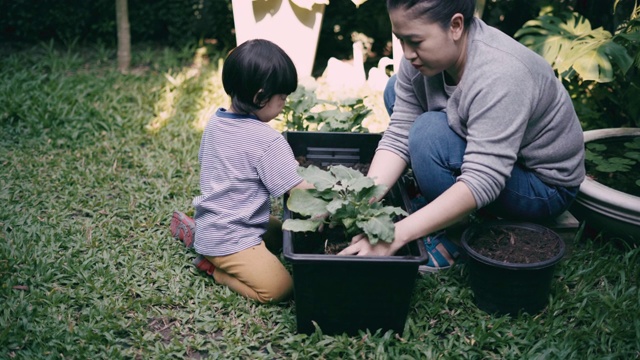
[437, 11]
[254, 72]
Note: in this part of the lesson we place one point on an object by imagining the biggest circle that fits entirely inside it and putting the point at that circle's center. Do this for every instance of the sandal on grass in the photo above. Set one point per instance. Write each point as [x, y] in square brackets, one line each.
[183, 228]
[442, 253]
[203, 264]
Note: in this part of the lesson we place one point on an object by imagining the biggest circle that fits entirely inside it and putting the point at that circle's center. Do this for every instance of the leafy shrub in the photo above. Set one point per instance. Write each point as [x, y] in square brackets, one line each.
[168, 21]
[345, 115]
[341, 198]
[599, 69]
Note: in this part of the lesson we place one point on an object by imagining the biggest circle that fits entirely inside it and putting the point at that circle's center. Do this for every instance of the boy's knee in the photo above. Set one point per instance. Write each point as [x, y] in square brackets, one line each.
[277, 291]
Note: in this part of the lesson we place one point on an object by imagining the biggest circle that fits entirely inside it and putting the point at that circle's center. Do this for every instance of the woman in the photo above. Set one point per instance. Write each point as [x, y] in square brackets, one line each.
[482, 121]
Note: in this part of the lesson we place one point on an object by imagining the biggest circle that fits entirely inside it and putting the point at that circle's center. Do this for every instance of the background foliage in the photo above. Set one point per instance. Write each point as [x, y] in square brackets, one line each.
[178, 23]
[172, 22]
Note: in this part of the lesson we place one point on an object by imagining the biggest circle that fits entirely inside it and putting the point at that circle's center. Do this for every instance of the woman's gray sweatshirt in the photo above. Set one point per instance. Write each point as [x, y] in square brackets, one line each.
[509, 106]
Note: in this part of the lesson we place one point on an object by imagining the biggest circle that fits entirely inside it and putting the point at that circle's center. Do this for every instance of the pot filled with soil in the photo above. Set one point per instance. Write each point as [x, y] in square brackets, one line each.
[511, 265]
[346, 294]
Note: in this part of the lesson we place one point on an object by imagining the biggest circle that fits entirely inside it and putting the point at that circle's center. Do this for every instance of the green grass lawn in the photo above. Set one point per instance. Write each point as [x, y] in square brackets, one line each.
[93, 163]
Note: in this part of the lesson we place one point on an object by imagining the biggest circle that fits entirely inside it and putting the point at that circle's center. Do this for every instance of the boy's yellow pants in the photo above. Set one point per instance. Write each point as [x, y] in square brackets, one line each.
[256, 272]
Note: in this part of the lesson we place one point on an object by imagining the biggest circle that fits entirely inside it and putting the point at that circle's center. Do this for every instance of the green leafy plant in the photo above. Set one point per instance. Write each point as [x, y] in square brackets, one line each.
[346, 115]
[296, 115]
[342, 198]
[572, 47]
[599, 69]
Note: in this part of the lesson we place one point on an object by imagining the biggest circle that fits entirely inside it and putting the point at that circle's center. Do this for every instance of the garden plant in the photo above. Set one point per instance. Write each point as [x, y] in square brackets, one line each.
[341, 198]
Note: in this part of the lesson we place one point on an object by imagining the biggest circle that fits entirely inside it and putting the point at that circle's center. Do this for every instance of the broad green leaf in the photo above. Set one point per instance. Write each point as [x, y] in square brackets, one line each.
[612, 167]
[378, 228]
[622, 161]
[591, 156]
[393, 211]
[571, 46]
[327, 194]
[596, 147]
[633, 36]
[342, 172]
[346, 211]
[635, 144]
[633, 155]
[348, 223]
[374, 192]
[360, 184]
[321, 180]
[336, 204]
[619, 55]
[304, 203]
[299, 225]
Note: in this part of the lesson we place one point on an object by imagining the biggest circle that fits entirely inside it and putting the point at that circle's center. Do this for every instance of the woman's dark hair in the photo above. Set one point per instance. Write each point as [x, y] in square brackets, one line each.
[437, 11]
[255, 71]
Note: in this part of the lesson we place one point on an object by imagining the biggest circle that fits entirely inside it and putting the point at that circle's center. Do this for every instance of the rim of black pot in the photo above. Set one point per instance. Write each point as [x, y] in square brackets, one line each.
[514, 266]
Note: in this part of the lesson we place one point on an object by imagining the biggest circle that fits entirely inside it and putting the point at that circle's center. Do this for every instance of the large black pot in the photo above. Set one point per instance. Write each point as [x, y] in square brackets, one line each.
[509, 288]
[348, 294]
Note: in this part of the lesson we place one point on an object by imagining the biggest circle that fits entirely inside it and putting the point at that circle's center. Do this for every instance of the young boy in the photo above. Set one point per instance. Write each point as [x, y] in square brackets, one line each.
[243, 162]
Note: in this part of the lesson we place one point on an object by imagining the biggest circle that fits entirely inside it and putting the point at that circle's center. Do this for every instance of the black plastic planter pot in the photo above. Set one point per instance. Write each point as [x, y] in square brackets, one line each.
[345, 294]
[509, 288]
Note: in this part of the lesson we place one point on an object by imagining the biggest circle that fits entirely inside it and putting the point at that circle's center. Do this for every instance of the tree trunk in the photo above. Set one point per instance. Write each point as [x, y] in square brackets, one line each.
[124, 36]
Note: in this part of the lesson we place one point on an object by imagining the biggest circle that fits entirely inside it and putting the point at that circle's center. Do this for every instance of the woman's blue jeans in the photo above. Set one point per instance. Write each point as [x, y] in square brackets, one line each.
[436, 158]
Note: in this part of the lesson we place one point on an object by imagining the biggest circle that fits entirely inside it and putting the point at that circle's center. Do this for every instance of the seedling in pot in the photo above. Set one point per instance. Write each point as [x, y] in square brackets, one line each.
[342, 198]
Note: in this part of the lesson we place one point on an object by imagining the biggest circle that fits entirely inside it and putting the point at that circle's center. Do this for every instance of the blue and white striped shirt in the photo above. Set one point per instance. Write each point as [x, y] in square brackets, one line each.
[242, 162]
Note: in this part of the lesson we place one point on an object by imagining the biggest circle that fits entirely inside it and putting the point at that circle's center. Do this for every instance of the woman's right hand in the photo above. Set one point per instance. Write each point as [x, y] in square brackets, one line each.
[360, 246]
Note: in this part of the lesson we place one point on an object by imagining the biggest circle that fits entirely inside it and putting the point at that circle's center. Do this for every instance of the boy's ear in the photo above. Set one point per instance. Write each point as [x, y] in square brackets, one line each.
[258, 98]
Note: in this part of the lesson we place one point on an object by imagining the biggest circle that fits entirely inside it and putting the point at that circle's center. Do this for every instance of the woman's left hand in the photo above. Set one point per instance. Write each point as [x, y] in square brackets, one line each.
[360, 246]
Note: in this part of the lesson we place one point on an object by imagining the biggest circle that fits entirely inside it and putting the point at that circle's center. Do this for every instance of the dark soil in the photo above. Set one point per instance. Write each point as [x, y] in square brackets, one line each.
[333, 249]
[515, 245]
[327, 241]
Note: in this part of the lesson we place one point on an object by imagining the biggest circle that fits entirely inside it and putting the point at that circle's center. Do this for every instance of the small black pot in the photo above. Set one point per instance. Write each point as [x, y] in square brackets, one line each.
[509, 288]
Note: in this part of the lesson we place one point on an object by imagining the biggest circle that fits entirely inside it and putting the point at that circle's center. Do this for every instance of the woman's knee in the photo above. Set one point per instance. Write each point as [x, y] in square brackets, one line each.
[429, 133]
[389, 94]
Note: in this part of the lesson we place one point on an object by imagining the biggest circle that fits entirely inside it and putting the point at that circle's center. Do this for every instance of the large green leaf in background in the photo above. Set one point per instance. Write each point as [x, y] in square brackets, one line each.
[571, 46]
